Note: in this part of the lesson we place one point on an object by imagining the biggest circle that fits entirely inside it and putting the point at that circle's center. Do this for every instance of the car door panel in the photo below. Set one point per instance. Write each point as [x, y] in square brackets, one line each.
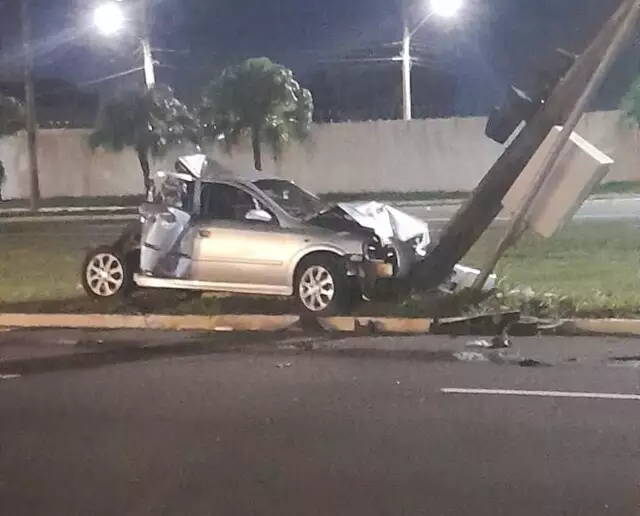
[244, 253]
[166, 244]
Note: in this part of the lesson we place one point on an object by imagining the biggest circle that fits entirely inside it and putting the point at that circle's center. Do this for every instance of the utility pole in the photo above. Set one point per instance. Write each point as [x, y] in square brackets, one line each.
[406, 69]
[473, 219]
[442, 8]
[145, 40]
[149, 72]
[30, 105]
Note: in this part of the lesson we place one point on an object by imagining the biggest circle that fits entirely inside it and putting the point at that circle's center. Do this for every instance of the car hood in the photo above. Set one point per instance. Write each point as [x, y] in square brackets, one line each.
[389, 223]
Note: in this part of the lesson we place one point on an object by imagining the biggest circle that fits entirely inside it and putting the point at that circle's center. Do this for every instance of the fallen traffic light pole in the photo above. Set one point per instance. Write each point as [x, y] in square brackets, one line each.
[560, 100]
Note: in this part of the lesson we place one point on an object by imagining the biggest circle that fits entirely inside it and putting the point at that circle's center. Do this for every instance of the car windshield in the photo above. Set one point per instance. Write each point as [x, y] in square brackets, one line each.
[291, 198]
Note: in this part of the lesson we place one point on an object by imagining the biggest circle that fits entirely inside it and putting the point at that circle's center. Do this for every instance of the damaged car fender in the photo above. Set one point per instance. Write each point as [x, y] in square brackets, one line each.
[349, 250]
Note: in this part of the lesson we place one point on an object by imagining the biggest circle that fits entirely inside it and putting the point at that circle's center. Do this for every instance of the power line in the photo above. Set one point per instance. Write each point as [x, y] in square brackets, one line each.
[95, 81]
[110, 77]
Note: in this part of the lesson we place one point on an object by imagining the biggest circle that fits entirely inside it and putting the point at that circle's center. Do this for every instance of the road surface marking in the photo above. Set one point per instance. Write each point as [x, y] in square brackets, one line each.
[9, 376]
[545, 394]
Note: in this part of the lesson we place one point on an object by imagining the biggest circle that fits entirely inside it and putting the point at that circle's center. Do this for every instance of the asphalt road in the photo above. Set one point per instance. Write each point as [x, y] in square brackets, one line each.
[303, 434]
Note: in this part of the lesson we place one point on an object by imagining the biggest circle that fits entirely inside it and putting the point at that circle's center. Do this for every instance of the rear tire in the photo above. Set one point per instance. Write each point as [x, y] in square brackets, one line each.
[107, 274]
[321, 287]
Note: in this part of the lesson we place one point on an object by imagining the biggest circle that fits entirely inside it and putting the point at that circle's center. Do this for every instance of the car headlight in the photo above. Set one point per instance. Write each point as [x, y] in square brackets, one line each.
[371, 249]
[420, 244]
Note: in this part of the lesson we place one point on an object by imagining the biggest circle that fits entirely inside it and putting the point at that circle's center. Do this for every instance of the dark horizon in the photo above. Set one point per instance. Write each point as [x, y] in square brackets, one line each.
[492, 43]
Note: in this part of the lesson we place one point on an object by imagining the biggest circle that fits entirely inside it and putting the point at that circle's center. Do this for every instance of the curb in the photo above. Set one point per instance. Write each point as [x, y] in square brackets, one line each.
[220, 323]
[150, 322]
[594, 327]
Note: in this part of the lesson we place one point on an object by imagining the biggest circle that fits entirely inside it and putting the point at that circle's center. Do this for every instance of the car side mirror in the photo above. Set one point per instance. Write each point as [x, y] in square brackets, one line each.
[258, 216]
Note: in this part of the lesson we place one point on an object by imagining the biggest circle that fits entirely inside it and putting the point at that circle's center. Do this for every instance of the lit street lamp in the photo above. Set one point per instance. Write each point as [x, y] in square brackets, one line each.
[109, 18]
[446, 8]
[441, 8]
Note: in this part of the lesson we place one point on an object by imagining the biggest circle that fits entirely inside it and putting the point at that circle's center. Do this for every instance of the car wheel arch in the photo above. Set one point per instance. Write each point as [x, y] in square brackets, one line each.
[301, 257]
[315, 254]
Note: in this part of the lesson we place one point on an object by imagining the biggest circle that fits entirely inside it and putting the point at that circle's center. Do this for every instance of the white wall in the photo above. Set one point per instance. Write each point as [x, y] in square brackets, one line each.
[421, 155]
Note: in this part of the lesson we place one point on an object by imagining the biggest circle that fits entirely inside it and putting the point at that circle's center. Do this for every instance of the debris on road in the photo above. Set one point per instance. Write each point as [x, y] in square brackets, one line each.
[479, 344]
[470, 356]
[530, 362]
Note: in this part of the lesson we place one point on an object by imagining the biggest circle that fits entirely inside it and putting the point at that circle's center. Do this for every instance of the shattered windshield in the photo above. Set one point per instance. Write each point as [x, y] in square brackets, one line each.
[291, 198]
[172, 190]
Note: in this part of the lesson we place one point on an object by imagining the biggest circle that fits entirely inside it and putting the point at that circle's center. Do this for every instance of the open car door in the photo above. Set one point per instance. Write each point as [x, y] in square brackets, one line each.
[166, 243]
[167, 237]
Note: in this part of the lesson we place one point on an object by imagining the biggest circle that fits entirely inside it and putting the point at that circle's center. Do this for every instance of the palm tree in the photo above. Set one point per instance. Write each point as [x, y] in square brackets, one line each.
[12, 120]
[631, 103]
[261, 100]
[149, 122]
[12, 116]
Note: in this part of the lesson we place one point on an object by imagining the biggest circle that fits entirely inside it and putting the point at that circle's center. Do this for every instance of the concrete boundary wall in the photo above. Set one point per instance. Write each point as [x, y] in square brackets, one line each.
[421, 155]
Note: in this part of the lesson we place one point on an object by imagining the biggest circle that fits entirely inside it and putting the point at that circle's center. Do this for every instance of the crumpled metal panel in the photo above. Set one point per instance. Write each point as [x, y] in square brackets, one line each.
[398, 229]
[388, 222]
[165, 250]
[464, 277]
[194, 164]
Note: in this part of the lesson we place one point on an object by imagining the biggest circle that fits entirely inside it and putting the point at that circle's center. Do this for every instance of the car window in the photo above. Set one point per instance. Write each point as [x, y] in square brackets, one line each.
[172, 191]
[220, 201]
[291, 198]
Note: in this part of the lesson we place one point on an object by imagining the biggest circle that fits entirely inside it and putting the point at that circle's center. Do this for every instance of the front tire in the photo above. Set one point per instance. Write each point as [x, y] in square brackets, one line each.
[106, 274]
[321, 287]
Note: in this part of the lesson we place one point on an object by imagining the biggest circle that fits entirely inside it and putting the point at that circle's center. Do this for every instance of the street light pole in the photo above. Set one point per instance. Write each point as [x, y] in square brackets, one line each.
[147, 54]
[442, 8]
[406, 70]
[30, 107]
[149, 71]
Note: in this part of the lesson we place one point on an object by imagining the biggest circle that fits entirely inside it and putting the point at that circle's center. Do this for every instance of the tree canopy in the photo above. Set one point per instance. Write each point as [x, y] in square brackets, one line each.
[631, 103]
[260, 100]
[12, 116]
[150, 122]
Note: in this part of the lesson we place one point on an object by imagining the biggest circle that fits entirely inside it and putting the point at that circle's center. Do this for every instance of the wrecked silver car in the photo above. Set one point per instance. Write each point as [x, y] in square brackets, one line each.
[202, 229]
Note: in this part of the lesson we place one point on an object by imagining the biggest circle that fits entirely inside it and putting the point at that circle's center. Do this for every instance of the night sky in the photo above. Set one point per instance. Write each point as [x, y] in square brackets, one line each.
[493, 42]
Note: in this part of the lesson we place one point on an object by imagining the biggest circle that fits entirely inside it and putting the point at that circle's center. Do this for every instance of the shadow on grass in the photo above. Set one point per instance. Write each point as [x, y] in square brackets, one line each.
[168, 303]
[172, 303]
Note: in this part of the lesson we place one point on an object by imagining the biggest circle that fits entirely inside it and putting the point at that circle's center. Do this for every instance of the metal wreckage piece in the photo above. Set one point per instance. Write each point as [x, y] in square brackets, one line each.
[411, 238]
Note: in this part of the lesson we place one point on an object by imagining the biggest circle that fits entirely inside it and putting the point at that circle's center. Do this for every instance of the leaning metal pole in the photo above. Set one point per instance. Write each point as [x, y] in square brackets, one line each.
[517, 225]
[30, 104]
[477, 214]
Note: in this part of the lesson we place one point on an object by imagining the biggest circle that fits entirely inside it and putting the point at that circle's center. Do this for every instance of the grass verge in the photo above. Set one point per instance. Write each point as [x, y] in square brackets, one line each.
[618, 187]
[588, 270]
